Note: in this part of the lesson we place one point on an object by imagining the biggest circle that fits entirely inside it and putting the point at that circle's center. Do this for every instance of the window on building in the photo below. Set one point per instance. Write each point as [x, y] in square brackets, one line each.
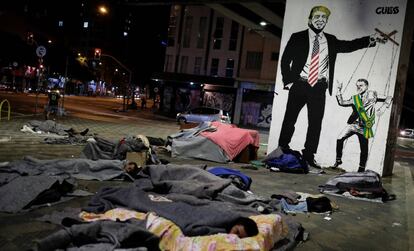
[197, 65]
[187, 31]
[171, 30]
[202, 29]
[229, 68]
[234, 33]
[254, 60]
[274, 56]
[184, 63]
[60, 23]
[85, 25]
[214, 66]
[218, 33]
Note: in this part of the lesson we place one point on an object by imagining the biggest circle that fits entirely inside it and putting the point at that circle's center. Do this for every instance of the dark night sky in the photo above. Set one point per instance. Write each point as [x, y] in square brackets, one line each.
[141, 51]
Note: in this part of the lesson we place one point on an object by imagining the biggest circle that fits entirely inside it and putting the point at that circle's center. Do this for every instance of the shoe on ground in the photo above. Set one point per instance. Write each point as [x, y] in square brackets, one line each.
[84, 132]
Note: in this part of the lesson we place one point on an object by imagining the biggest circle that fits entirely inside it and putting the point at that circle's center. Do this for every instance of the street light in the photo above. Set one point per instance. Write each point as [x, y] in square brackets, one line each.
[103, 10]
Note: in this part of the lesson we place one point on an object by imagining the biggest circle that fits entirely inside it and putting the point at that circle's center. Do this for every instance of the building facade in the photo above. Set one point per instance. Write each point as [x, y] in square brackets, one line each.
[212, 60]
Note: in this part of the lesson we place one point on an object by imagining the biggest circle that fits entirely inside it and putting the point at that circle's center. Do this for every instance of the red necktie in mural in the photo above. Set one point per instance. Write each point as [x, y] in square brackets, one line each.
[314, 65]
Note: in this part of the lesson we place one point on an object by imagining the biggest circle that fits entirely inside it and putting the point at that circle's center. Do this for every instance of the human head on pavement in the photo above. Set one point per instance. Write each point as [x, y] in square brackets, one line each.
[132, 168]
[244, 227]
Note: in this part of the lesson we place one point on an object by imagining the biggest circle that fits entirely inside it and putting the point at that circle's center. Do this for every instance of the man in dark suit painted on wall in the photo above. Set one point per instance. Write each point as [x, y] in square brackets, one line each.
[307, 66]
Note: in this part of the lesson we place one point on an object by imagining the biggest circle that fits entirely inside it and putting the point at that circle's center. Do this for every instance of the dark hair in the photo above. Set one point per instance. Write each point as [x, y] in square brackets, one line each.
[363, 80]
[133, 163]
[134, 172]
[249, 226]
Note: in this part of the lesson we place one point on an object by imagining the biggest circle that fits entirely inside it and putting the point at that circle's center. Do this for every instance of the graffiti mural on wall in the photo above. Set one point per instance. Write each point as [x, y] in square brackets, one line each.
[256, 114]
[219, 100]
[265, 118]
[329, 48]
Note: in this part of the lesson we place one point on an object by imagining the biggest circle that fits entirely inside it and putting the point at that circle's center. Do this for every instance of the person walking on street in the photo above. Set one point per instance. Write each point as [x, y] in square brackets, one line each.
[143, 101]
[53, 102]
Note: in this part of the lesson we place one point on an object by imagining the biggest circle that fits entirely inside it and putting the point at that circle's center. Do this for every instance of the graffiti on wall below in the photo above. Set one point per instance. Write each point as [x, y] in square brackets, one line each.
[256, 114]
[219, 100]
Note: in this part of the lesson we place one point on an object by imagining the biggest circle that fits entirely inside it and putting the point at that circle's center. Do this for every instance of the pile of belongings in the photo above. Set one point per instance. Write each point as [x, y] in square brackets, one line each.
[239, 179]
[213, 141]
[286, 160]
[56, 133]
[101, 148]
[365, 185]
[297, 202]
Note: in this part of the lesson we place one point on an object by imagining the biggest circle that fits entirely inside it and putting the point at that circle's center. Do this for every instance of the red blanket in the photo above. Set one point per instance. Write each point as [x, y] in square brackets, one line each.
[231, 138]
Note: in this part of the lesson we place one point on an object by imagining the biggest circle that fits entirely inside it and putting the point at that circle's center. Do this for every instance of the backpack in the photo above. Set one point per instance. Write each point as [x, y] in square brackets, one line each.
[290, 161]
[366, 184]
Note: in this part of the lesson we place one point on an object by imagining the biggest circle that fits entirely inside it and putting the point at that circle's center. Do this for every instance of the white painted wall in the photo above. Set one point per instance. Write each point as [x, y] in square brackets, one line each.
[349, 19]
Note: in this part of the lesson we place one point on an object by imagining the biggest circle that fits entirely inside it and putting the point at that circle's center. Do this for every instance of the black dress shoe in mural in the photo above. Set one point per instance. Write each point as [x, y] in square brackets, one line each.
[338, 162]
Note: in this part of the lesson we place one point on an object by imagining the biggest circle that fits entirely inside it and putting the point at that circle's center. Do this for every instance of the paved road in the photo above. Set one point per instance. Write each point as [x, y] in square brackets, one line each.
[96, 108]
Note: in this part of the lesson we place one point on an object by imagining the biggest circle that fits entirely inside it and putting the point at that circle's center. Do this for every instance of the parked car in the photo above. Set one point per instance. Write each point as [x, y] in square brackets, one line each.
[407, 133]
[201, 114]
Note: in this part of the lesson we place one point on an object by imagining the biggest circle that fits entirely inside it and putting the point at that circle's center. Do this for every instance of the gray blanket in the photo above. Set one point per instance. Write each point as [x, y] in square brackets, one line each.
[48, 126]
[185, 179]
[23, 181]
[198, 147]
[79, 168]
[22, 191]
[194, 216]
[197, 201]
[189, 144]
[101, 236]
[107, 149]
[196, 181]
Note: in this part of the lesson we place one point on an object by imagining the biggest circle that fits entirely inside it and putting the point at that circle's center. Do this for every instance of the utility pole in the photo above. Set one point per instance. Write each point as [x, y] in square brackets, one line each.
[64, 83]
[40, 52]
[401, 80]
[129, 72]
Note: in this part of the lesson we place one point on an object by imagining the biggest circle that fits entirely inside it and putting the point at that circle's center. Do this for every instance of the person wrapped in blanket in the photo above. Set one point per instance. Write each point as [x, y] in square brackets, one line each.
[242, 227]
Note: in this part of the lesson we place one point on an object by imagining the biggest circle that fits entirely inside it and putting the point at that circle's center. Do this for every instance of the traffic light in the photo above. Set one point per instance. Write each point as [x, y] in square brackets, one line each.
[97, 54]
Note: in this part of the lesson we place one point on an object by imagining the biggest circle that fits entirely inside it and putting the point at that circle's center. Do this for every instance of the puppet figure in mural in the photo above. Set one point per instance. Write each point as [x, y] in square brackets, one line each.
[362, 119]
[307, 67]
